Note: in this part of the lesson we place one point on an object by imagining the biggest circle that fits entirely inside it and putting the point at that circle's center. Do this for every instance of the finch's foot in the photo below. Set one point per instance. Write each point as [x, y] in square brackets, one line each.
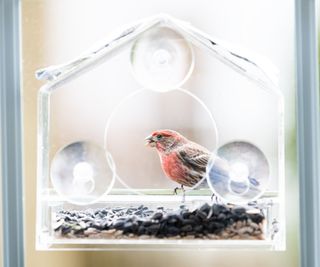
[183, 192]
[175, 191]
[215, 199]
[178, 188]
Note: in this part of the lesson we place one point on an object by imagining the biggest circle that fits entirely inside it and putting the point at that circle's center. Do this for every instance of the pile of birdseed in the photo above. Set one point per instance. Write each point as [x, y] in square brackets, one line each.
[207, 222]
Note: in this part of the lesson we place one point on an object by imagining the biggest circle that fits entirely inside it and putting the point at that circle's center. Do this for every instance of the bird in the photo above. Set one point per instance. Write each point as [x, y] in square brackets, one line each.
[182, 160]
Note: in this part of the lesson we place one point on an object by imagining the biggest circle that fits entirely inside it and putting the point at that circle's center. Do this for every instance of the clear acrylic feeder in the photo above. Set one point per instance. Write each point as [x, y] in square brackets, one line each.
[161, 137]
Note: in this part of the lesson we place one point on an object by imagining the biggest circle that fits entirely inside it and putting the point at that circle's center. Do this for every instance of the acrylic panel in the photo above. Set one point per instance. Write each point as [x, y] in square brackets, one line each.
[161, 136]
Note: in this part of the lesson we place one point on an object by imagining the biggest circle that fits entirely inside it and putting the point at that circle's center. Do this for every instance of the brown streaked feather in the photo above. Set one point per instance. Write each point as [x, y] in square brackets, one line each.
[196, 158]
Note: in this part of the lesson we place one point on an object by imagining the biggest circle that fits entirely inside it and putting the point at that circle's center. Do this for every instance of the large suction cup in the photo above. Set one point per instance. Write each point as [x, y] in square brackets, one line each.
[81, 173]
[137, 166]
[162, 59]
[239, 173]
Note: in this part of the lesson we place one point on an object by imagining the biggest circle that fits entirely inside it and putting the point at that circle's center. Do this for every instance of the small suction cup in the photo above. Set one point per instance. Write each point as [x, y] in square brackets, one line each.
[162, 59]
[239, 173]
[81, 173]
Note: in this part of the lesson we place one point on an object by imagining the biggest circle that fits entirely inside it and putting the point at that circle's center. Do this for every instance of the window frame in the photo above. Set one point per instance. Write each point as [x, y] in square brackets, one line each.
[11, 134]
[308, 132]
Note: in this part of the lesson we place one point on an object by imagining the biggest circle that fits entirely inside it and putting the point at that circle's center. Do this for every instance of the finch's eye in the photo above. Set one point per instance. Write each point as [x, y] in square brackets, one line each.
[159, 136]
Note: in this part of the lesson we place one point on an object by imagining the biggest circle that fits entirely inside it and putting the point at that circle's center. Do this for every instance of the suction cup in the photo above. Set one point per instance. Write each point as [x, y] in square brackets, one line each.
[239, 173]
[162, 59]
[81, 173]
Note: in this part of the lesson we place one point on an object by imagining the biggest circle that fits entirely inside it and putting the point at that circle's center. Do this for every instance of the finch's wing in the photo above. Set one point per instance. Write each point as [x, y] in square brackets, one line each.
[194, 158]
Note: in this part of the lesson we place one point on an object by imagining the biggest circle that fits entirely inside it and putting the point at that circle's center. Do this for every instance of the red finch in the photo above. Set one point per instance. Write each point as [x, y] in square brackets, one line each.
[182, 160]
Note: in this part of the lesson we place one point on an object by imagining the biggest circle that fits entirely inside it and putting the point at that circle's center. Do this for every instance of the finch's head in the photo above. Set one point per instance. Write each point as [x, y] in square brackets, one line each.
[164, 140]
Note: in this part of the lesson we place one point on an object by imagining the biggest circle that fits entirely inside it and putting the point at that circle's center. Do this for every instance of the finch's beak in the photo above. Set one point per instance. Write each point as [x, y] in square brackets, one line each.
[150, 141]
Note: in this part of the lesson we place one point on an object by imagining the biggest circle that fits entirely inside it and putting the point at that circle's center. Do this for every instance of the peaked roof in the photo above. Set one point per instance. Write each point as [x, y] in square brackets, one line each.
[259, 70]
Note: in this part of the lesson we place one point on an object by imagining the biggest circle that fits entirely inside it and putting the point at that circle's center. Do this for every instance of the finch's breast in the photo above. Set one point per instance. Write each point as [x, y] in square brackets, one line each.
[174, 169]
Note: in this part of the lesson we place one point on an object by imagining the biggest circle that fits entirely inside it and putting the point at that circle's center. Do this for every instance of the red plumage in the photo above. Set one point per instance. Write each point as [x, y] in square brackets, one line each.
[182, 160]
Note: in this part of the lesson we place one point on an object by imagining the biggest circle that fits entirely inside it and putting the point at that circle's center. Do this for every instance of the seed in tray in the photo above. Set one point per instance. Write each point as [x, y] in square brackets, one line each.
[205, 208]
[201, 215]
[153, 229]
[186, 228]
[65, 229]
[198, 228]
[208, 221]
[157, 216]
[172, 230]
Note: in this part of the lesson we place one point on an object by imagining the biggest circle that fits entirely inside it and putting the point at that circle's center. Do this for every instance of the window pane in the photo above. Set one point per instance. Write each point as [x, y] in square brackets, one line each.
[57, 31]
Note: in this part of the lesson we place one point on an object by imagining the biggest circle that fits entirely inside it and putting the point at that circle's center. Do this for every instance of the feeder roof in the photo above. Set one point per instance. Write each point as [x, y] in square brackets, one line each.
[258, 69]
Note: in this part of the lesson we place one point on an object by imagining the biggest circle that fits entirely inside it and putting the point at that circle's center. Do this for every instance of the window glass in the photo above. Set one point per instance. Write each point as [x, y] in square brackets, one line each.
[56, 31]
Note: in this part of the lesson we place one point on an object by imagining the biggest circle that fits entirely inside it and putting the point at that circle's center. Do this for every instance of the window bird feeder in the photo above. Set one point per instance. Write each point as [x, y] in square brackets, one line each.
[212, 173]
